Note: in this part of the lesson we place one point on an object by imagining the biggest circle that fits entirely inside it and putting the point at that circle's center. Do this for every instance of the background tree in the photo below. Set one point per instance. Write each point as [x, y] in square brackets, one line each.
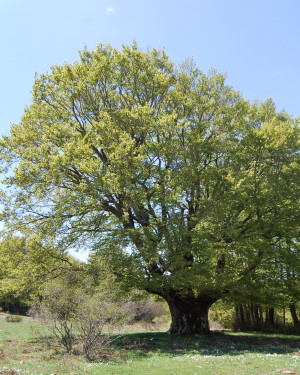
[169, 173]
[25, 266]
[13, 297]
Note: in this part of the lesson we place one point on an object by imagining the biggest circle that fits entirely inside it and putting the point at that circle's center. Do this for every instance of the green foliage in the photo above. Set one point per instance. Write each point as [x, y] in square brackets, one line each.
[79, 309]
[222, 312]
[25, 265]
[14, 290]
[167, 172]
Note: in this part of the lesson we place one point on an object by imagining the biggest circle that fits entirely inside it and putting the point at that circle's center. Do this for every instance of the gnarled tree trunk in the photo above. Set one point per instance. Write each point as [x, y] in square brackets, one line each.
[189, 314]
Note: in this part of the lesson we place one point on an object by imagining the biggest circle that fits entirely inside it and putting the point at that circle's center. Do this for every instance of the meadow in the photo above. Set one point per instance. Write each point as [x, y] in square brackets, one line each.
[139, 351]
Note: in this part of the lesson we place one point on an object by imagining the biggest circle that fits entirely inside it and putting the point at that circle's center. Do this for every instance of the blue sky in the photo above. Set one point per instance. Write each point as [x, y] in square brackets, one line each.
[255, 42]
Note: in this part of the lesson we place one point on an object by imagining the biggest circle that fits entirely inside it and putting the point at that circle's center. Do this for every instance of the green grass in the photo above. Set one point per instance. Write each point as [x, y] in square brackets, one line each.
[154, 352]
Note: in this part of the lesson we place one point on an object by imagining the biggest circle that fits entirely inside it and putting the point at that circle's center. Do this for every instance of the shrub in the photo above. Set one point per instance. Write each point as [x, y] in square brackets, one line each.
[57, 311]
[1, 354]
[147, 310]
[98, 324]
[6, 371]
[80, 313]
[216, 326]
[14, 318]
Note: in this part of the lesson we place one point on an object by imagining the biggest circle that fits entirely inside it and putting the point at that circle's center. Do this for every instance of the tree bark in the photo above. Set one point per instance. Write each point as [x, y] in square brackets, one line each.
[242, 316]
[271, 316]
[247, 316]
[294, 315]
[189, 314]
[261, 317]
[256, 316]
[252, 317]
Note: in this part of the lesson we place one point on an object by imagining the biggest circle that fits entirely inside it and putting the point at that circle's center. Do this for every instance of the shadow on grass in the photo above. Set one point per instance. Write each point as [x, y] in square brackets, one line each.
[216, 344]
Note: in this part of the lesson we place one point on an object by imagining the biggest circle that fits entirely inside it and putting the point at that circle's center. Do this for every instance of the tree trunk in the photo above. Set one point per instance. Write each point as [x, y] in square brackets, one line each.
[242, 317]
[189, 314]
[261, 317]
[251, 309]
[256, 316]
[247, 316]
[271, 317]
[267, 317]
[294, 315]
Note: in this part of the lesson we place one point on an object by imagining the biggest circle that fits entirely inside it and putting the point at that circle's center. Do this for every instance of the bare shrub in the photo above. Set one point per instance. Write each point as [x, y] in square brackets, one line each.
[14, 318]
[33, 312]
[216, 326]
[6, 371]
[82, 317]
[58, 311]
[99, 322]
[1, 353]
[147, 311]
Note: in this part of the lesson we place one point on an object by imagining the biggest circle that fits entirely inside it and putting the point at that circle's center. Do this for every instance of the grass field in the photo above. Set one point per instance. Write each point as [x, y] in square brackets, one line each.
[151, 352]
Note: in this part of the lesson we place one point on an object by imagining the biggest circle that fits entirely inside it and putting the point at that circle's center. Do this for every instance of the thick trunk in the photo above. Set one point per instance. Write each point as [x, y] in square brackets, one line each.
[189, 314]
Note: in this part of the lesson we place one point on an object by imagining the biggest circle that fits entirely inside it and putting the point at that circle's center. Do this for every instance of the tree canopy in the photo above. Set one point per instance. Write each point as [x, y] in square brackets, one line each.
[185, 187]
[26, 264]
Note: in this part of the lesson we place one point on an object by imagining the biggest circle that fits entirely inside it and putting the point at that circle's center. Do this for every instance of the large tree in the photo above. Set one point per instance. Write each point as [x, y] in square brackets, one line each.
[183, 185]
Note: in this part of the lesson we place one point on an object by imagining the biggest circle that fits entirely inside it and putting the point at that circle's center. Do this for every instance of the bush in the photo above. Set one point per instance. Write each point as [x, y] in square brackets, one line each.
[147, 310]
[6, 371]
[57, 311]
[82, 316]
[98, 324]
[14, 318]
[216, 326]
